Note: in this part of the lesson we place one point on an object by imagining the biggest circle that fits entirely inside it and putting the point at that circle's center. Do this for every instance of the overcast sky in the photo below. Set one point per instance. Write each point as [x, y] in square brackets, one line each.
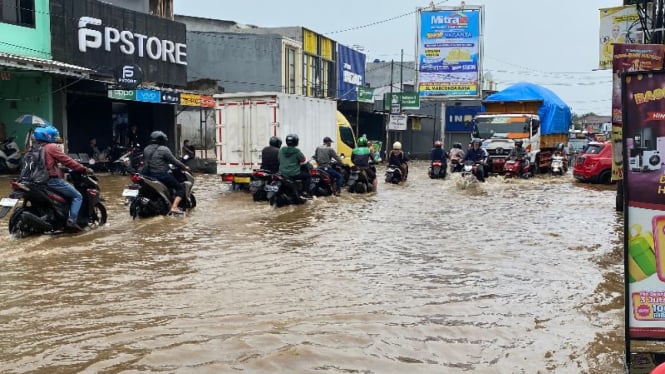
[549, 42]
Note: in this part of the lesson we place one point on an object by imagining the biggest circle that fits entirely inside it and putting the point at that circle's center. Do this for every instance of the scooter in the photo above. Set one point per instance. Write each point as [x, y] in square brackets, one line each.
[322, 183]
[472, 172]
[393, 174]
[456, 165]
[558, 167]
[359, 182]
[10, 156]
[515, 167]
[150, 197]
[437, 170]
[259, 179]
[44, 211]
[283, 191]
[130, 162]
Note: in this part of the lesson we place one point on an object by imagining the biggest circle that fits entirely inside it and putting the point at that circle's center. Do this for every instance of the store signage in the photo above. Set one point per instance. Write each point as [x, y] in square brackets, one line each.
[407, 100]
[128, 76]
[170, 97]
[397, 122]
[190, 99]
[128, 42]
[148, 96]
[122, 94]
[207, 101]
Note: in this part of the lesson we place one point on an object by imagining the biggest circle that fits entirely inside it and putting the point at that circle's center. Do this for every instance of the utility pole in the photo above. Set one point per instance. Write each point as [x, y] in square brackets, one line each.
[390, 107]
[401, 87]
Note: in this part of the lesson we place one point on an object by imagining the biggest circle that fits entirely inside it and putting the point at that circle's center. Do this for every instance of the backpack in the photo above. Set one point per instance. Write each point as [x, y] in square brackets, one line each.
[33, 165]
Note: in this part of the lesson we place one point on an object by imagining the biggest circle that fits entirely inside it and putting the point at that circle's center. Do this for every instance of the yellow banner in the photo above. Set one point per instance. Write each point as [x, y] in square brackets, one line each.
[190, 99]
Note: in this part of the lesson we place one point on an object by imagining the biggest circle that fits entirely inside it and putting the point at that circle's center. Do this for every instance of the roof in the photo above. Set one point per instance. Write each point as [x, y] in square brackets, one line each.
[41, 64]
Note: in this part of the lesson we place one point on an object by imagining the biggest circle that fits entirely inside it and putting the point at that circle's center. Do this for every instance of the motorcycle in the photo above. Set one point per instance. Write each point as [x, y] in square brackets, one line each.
[471, 172]
[456, 165]
[149, 197]
[259, 179]
[10, 156]
[393, 174]
[322, 183]
[359, 181]
[558, 167]
[44, 211]
[128, 162]
[515, 167]
[437, 170]
[283, 191]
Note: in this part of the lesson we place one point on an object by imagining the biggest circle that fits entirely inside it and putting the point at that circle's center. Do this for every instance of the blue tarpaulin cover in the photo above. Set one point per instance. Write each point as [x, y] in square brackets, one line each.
[555, 115]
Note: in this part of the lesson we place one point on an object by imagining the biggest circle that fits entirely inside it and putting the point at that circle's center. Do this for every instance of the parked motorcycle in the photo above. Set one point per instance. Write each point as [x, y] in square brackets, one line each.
[44, 211]
[515, 167]
[393, 174]
[129, 162]
[150, 197]
[259, 179]
[437, 170]
[359, 182]
[283, 191]
[10, 156]
[558, 167]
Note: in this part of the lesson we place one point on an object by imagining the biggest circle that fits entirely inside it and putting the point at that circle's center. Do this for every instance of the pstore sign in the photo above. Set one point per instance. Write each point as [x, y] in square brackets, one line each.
[129, 43]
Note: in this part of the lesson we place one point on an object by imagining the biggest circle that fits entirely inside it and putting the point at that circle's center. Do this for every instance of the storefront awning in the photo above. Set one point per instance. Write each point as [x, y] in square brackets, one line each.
[40, 64]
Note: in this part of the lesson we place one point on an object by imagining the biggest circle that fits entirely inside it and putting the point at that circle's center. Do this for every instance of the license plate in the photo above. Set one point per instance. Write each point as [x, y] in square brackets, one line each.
[316, 180]
[271, 188]
[6, 201]
[130, 193]
[256, 183]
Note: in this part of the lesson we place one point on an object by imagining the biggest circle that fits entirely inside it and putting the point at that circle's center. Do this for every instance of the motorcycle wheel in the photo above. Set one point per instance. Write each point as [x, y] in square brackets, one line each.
[259, 195]
[99, 215]
[361, 188]
[15, 223]
[192, 198]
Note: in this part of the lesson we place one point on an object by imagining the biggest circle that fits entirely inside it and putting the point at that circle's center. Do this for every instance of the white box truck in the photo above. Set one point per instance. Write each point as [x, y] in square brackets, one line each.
[246, 121]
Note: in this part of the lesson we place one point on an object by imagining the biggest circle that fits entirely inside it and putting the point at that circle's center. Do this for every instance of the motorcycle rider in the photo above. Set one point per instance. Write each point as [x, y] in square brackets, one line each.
[397, 157]
[48, 137]
[270, 155]
[157, 157]
[361, 158]
[457, 154]
[323, 155]
[519, 153]
[293, 164]
[478, 156]
[439, 154]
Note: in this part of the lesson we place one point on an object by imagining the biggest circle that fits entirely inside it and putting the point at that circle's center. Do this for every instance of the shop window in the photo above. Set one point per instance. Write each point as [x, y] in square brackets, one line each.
[18, 12]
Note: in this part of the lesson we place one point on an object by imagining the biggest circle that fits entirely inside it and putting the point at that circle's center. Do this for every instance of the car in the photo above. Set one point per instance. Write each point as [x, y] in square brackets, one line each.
[594, 163]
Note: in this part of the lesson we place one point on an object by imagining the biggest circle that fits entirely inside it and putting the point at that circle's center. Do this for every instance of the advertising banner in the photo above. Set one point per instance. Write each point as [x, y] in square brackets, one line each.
[410, 100]
[207, 101]
[365, 94]
[449, 52]
[350, 72]
[188, 99]
[170, 97]
[628, 57]
[460, 118]
[104, 37]
[617, 25]
[122, 94]
[148, 96]
[643, 98]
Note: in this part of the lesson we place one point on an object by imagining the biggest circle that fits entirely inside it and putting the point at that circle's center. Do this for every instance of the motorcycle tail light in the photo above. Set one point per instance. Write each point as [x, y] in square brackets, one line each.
[135, 178]
[312, 172]
[258, 174]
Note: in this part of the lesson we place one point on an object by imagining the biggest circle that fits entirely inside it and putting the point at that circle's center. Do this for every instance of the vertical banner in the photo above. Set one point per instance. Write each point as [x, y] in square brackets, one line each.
[617, 25]
[628, 57]
[643, 98]
[350, 72]
[449, 52]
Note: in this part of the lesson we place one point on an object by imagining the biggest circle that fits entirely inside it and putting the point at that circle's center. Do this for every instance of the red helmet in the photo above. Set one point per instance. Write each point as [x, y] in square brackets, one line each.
[438, 144]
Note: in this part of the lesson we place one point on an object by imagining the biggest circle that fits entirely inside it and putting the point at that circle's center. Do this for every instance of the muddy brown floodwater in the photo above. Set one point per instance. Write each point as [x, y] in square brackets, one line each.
[518, 276]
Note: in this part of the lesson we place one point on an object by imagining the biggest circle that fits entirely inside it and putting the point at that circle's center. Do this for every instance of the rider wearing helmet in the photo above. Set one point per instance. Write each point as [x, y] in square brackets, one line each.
[518, 152]
[157, 157]
[270, 155]
[324, 155]
[292, 164]
[456, 157]
[47, 137]
[361, 158]
[477, 155]
[397, 157]
[439, 154]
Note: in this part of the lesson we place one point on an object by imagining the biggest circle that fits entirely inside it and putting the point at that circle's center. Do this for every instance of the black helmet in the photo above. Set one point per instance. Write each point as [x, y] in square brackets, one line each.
[518, 143]
[158, 137]
[327, 139]
[476, 141]
[292, 140]
[275, 142]
[559, 147]
[457, 145]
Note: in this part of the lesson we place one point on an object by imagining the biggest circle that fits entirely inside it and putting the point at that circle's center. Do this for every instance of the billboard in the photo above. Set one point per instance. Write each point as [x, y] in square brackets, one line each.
[617, 25]
[460, 118]
[643, 101]
[350, 72]
[449, 52]
[103, 37]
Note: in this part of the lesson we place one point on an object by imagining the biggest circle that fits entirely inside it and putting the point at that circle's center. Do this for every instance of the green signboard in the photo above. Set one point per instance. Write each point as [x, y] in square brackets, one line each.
[122, 94]
[410, 100]
[365, 94]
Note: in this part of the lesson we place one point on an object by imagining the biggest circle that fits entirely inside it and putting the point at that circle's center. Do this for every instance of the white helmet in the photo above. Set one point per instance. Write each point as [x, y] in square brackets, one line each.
[397, 145]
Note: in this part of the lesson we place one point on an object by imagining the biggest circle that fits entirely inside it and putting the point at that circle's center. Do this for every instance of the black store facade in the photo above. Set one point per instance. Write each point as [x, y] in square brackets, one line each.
[138, 61]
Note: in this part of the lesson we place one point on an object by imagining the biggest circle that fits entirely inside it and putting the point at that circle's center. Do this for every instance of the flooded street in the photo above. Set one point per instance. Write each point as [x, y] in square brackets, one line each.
[518, 276]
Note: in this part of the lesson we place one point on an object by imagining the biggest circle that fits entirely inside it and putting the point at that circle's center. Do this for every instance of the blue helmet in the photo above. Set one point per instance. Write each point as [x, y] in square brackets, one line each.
[48, 134]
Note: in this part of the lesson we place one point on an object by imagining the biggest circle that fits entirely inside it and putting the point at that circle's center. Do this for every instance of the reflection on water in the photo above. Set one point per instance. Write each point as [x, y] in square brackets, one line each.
[509, 276]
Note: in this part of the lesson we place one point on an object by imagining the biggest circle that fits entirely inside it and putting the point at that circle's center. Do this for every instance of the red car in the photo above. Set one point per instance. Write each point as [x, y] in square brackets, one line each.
[594, 163]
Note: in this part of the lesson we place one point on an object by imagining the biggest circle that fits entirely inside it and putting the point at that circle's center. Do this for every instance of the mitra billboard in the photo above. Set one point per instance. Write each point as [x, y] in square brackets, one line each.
[103, 37]
[449, 52]
[350, 72]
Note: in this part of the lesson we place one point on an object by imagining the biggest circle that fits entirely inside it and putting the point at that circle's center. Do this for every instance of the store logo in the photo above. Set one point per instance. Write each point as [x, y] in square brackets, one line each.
[149, 96]
[128, 76]
[170, 97]
[129, 43]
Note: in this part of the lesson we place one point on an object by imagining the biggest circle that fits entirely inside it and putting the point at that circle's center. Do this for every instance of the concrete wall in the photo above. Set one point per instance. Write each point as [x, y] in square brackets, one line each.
[29, 41]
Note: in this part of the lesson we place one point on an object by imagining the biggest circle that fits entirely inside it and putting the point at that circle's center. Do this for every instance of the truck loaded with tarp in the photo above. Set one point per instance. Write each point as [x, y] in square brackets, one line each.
[527, 112]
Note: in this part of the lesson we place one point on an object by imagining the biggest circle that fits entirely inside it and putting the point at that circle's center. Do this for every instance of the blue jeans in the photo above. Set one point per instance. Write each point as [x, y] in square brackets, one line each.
[334, 174]
[61, 186]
